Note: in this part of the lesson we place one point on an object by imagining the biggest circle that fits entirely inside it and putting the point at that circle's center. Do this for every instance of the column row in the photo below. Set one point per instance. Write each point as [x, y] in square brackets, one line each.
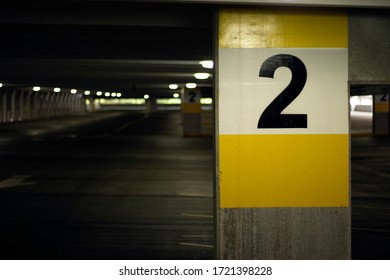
[21, 104]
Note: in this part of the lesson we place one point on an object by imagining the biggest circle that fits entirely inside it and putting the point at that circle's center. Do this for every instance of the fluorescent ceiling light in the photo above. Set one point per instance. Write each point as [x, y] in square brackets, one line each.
[209, 64]
[176, 95]
[57, 89]
[201, 76]
[99, 93]
[87, 92]
[107, 94]
[146, 96]
[173, 86]
[190, 85]
[36, 88]
[73, 91]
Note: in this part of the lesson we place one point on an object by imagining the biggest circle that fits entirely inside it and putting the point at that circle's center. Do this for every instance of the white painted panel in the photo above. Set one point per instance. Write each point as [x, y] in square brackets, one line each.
[243, 95]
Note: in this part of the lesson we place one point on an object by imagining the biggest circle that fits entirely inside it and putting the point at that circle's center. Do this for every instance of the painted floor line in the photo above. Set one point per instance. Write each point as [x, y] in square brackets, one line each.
[371, 229]
[197, 236]
[197, 215]
[196, 245]
[371, 171]
[15, 181]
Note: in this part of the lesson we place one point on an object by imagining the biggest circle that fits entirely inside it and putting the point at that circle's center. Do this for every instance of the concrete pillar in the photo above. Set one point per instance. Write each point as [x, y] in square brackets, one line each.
[36, 104]
[151, 104]
[58, 105]
[50, 104]
[381, 117]
[283, 152]
[68, 103]
[3, 100]
[82, 108]
[28, 105]
[13, 116]
[21, 109]
[191, 112]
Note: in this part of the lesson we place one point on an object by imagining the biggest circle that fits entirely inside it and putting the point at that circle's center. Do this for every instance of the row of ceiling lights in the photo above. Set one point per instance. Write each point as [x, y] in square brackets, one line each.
[86, 92]
[209, 64]
[200, 76]
[74, 91]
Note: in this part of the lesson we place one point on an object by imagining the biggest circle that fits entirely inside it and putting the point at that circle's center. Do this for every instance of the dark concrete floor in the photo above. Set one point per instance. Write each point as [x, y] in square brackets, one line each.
[117, 185]
[370, 174]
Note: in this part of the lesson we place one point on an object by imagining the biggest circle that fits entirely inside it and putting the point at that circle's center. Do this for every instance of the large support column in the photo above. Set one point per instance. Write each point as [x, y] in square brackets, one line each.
[191, 112]
[283, 134]
[381, 115]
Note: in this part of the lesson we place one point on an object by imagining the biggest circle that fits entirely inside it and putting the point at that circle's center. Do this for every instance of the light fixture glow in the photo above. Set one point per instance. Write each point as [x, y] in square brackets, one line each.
[118, 94]
[1, 85]
[201, 76]
[36, 88]
[173, 86]
[209, 64]
[87, 92]
[57, 89]
[107, 94]
[146, 96]
[99, 93]
[176, 95]
[190, 85]
[113, 94]
[73, 91]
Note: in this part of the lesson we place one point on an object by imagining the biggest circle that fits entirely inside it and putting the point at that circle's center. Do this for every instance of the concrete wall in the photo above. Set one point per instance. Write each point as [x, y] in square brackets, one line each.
[369, 46]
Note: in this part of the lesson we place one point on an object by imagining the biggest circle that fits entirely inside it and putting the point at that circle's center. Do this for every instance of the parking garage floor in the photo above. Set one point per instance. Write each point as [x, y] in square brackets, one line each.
[126, 185]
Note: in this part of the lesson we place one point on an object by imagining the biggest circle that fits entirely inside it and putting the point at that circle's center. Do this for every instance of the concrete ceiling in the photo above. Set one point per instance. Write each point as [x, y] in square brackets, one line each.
[134, 48]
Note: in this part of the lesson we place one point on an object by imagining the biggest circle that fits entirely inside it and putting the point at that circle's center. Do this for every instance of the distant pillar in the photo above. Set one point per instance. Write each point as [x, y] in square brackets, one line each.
[28, 108]
[381, 117]
[80, 102]
[21, 110]
[36, 105]
[13, 116]
[283, 134]
[60, 104]
[151, 104]
[73, 109]
[68, 103]
[52, 105]
[191, 112]
[3, 105]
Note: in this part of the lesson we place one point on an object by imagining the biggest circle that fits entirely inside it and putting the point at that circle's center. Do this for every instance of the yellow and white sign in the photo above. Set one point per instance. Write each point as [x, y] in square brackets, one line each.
[381, 103]
[283, 108]
[191, 101]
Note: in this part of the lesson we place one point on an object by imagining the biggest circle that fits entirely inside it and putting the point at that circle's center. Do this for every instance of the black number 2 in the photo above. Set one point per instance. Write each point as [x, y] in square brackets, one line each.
[272, 116]
[384, 98]
[192, 96]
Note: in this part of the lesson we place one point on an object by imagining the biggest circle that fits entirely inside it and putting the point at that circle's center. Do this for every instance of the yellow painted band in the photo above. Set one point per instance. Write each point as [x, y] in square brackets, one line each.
[191, 108]
[381, 107]
[284, 170]
[265, 27]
